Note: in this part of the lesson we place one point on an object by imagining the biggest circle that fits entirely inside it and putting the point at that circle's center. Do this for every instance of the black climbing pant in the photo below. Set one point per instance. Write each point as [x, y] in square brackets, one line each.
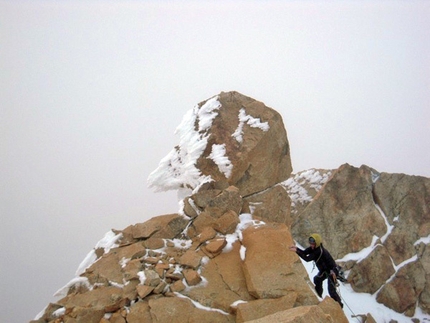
[318, 281]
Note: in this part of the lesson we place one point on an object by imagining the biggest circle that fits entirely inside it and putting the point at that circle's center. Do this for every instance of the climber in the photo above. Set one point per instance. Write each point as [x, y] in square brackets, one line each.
[325, 264]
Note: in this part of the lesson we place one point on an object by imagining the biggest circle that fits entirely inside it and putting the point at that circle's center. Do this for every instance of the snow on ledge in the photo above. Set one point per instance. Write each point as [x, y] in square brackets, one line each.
[178, 169]
[360, 255]
[108, 242]
[200, 306]
[251, 121]
[77, 281]
[218, 155]
[425, 240]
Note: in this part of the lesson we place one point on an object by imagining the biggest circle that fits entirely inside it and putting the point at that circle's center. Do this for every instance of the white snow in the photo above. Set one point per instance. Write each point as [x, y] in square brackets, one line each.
[200, 306]
[40, 314]
[296, 192]
[181, 243]
[242, 252]
[234, 304]
[425, 240]
[375, 177]
[360, 255]
[218, 155]
[354, 303]
[245, 221]
[363, 303]
[59, 312]
[124, 261]
[142, 277]
[178, 169]
[295, 185]
[389, 227]
[405, 262]
[89, 259]
[108, 242]
[251, 121]
[77, 281]
[207, 113]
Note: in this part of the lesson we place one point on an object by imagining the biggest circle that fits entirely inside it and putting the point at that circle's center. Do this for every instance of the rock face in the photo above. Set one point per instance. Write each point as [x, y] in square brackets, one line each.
[345, 207]
[227, 140]
[224, 256]
[375, 224]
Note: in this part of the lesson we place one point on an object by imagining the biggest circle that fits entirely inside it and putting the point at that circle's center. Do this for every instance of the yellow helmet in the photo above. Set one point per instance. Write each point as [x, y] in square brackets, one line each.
[317, 238]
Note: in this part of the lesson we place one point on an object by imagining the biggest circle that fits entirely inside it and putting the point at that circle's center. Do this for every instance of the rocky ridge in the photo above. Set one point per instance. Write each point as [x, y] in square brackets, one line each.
[223, 257]
[377, 227]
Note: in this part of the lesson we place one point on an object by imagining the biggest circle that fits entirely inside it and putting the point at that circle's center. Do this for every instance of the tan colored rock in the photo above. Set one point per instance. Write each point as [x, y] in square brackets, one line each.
[132, 251]
[131, 269]
[204, 316]
[301, 314]
[228, 266]
[250, 133]
[190, 209]
[164, 226]
[401, 293]
[206, 234]
[161, 268]
[371, 273]
[179, 310]
[202, 198]
[170, 309]
[190, 259]
[144, 290]
[271, 205]
[343, 211]
[404, 200]
[217, 202]
[345, 207]
[227, 223]
[223, 282]
[200, 224]
[151, 278]
[117, 318]
[130, 291]
[227, 200]
[171, 274]
[151, 260]
[424, 300]
[161, 287]
[192, 277]
[331, 307]
[268, 244]
[370, 319]
[303, 186]
[139, 312]
[214, 247]
[154, 243]
[84, 315]
[107, 268]
[262, 307]
[110, 299]
[177, 286]
[248, 156]
[48, 314]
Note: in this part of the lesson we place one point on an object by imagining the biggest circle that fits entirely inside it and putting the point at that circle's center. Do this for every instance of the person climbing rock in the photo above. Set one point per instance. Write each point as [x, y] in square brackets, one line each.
[325, 263]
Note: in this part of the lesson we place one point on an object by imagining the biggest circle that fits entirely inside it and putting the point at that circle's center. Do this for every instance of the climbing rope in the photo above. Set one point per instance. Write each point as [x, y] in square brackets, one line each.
[337, 288]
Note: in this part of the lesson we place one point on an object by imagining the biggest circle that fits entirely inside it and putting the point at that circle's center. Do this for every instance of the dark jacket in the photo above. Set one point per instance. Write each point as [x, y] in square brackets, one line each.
[323, 260]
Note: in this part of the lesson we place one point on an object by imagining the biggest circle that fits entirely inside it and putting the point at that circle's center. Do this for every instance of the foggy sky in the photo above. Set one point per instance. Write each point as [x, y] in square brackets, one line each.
[92, 91]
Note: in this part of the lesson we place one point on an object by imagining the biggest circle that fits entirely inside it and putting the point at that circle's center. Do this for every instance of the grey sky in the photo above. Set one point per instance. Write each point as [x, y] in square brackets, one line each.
[92, 91]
